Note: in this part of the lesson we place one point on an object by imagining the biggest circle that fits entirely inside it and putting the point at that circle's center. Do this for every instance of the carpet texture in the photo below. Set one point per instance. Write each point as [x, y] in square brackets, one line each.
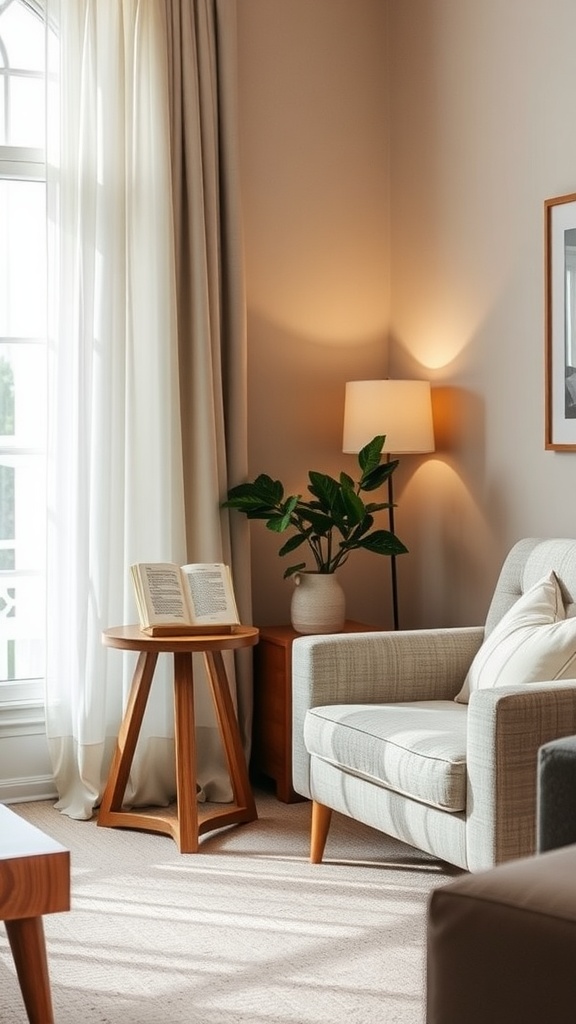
[246, 931]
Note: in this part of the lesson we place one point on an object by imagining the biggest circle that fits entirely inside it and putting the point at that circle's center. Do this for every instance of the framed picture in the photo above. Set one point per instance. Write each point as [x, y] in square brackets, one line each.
[560, 327]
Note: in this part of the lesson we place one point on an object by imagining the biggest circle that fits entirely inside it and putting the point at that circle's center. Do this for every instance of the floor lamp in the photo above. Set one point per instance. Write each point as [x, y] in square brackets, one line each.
[400, 409]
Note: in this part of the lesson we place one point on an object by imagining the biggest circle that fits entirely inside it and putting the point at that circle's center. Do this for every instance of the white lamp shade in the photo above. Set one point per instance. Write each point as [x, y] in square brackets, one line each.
[400, 409]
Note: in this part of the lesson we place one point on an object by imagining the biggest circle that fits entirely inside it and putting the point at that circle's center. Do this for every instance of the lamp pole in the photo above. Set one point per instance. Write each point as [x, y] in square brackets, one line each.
[393, 575]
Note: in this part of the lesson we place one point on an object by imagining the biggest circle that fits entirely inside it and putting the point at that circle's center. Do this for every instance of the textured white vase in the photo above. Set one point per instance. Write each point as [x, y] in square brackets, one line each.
[318, 603]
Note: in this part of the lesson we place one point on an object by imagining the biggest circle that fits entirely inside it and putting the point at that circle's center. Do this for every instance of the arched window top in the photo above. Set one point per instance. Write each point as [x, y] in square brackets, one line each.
[22, 75]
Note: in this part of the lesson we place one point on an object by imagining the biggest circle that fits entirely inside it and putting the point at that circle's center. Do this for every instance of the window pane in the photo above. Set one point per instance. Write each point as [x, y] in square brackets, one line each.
[22, 516]
[22, 583]
[7, 396]
[22, 62]
[22, 33]
[27, 117]
[22, 259]
[7, 517]
[23, 395]
[21, 627]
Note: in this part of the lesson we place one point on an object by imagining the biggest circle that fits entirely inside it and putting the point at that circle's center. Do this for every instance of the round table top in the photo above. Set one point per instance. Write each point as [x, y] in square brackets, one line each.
[131, 638]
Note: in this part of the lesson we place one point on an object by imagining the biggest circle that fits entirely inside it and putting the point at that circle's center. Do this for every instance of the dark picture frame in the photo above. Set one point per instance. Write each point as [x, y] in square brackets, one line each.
[560, 322]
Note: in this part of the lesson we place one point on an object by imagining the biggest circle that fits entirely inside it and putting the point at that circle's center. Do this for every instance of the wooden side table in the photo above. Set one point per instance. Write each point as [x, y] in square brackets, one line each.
[34, 880]
[272, 718]
[191, 820]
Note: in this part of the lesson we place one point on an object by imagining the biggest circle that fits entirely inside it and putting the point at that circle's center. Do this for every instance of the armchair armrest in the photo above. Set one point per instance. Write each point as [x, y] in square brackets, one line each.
[374, 668]
[506, 728]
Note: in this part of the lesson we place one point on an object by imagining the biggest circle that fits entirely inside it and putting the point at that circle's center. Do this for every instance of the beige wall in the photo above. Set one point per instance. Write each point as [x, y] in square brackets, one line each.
[458, 114]
[314, 132]
[482, 132]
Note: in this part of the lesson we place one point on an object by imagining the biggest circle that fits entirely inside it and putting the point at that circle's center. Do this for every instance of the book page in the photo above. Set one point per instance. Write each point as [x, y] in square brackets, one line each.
[211, 593]
[163, 596]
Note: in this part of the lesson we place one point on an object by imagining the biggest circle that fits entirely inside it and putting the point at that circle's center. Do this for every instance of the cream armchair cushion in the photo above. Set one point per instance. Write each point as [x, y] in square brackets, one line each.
[378, 735]
[533, 641]
[417, 748]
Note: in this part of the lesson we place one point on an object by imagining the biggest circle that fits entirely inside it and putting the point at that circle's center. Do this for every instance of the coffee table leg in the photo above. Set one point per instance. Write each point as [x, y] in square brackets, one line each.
[26, 937]
[185, 747]
[230, 733]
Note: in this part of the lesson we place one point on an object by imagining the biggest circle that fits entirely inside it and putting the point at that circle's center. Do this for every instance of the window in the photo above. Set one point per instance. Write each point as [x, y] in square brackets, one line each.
[23, 360]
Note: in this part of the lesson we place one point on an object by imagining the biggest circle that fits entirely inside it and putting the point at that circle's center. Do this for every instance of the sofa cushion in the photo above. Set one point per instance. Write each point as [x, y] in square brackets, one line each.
[416, 748]
[533, 642]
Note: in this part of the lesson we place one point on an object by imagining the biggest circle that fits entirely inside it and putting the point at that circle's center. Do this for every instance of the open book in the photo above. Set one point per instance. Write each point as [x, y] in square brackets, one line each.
[177, 600]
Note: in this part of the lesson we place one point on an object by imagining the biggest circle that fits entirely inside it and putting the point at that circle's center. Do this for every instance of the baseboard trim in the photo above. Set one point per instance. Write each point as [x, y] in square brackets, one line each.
[24, 790]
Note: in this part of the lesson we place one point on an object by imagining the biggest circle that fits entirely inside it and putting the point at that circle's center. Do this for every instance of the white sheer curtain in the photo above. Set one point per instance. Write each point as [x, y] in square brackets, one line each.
[115, 480]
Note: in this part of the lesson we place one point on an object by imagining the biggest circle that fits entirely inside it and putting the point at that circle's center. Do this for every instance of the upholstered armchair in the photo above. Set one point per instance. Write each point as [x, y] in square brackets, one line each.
[432, 736]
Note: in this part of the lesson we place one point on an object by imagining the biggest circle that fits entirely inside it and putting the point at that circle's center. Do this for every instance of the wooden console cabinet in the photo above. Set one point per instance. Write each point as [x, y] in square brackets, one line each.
[272, 719]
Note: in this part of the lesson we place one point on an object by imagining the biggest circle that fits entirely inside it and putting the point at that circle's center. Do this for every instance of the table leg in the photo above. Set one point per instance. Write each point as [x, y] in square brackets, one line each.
[230, 733]
[185, 748]
[26, 937]
[127, 739]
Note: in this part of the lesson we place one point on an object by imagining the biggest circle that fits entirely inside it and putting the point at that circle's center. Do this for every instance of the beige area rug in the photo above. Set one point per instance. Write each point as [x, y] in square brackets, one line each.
[246, 931]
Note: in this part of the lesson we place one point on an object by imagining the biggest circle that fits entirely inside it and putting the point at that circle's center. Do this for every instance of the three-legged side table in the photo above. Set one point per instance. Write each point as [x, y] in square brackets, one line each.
[191, 820]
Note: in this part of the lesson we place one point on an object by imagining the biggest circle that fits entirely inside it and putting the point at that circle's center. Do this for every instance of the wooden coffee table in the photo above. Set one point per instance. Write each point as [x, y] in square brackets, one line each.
[191, 820]
[34, 880]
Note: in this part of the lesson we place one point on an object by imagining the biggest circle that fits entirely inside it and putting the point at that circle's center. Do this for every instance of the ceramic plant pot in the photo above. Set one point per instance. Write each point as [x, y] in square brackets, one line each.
[318, 603]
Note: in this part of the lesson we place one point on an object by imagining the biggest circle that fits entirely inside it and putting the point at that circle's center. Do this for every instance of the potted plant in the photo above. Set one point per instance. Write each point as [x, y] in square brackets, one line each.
[333, 522]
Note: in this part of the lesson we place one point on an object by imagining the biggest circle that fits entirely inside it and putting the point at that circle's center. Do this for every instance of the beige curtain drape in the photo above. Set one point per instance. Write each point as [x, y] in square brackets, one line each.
[211, 318]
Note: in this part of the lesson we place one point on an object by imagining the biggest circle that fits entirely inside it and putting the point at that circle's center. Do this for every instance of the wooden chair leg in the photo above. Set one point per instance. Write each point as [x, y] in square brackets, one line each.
[321, 817]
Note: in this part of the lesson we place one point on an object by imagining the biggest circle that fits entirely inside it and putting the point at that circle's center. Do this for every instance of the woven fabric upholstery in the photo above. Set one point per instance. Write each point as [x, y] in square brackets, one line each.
[506, 728]
[417, 749]
[420, 825]
[529, 560]
[370, 668]
[351, 700]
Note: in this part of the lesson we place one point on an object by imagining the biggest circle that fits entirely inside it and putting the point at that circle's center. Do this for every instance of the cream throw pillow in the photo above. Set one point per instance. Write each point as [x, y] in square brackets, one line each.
[533, 642]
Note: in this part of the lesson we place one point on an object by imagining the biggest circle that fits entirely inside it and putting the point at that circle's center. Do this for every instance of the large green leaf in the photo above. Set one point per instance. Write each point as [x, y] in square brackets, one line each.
[324, 488]
[365, 524]
[378, 476]
[292, 543]
[382, 542]
[320, 522]
[369, 456]
[263, 492]
[352, 507]
[347, 482]
[379, 506]
[279, 523]
[291, 503]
